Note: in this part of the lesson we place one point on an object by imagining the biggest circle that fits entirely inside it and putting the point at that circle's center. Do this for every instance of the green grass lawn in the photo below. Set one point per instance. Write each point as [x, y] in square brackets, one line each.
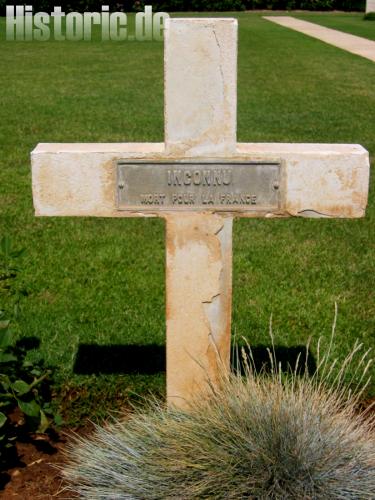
[101, 281]
[349, 22]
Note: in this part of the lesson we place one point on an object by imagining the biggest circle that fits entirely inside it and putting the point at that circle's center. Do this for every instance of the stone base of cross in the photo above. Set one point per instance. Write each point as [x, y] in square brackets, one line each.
[198, 181]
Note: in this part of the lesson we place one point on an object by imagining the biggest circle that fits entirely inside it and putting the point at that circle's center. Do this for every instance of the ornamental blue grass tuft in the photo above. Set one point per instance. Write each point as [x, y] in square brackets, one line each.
[260, 436]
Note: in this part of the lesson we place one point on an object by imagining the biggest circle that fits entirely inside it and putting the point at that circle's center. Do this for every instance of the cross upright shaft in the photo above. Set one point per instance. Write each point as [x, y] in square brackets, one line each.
[200, 122]
[315, 180]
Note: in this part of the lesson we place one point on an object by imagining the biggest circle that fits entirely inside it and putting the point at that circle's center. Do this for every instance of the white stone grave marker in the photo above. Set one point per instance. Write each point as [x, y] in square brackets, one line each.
[370, 6]
[198, 181]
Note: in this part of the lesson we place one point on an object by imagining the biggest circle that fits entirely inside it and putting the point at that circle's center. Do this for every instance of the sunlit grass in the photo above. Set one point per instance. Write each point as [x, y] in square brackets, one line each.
[349, 22]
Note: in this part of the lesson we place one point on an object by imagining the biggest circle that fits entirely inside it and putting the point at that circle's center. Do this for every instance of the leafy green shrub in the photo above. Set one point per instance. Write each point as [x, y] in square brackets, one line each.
[317, 4]
[23, 385]
[217, 5]
[350, 5]
[263, 437]
[370, 16]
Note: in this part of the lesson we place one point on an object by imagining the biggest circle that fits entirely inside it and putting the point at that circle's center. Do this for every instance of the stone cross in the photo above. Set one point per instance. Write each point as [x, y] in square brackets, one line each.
[198, 180]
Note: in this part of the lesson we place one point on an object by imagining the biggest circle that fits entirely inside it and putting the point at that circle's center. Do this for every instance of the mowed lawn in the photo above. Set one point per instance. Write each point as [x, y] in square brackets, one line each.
[101, 281]
[349, 22]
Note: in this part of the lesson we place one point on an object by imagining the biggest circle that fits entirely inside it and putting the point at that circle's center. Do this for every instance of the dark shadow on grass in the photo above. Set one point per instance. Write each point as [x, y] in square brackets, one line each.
[126, 359]
[28, 343]
[296, 358]
[150, 359]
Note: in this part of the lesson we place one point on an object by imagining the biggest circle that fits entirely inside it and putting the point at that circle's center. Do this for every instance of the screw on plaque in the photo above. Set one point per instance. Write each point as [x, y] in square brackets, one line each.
[276, 185]
[121, 185]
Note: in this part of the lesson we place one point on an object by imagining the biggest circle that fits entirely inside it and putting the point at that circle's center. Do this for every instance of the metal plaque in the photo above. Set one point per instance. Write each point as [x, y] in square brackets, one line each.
[201, 186]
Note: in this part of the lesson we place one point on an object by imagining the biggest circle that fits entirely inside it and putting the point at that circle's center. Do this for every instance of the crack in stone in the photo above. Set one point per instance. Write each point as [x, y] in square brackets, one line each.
[210, 314]
[220, 229]
[212, 298]
[309, 212]
[220, 66]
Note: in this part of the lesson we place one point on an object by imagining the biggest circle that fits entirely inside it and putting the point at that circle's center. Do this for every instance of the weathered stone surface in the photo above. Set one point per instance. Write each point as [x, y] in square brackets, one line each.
[370, 6]
[80, 179]
[199, 295]
[320, 180]
[200, 86]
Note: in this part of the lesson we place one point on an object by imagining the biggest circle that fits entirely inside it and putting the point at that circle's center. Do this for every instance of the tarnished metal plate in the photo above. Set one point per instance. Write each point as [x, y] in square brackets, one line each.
[198, 186]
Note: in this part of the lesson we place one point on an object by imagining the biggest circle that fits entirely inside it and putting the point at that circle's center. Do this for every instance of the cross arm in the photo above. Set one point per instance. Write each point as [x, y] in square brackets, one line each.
[80, 179]
[318, 180]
